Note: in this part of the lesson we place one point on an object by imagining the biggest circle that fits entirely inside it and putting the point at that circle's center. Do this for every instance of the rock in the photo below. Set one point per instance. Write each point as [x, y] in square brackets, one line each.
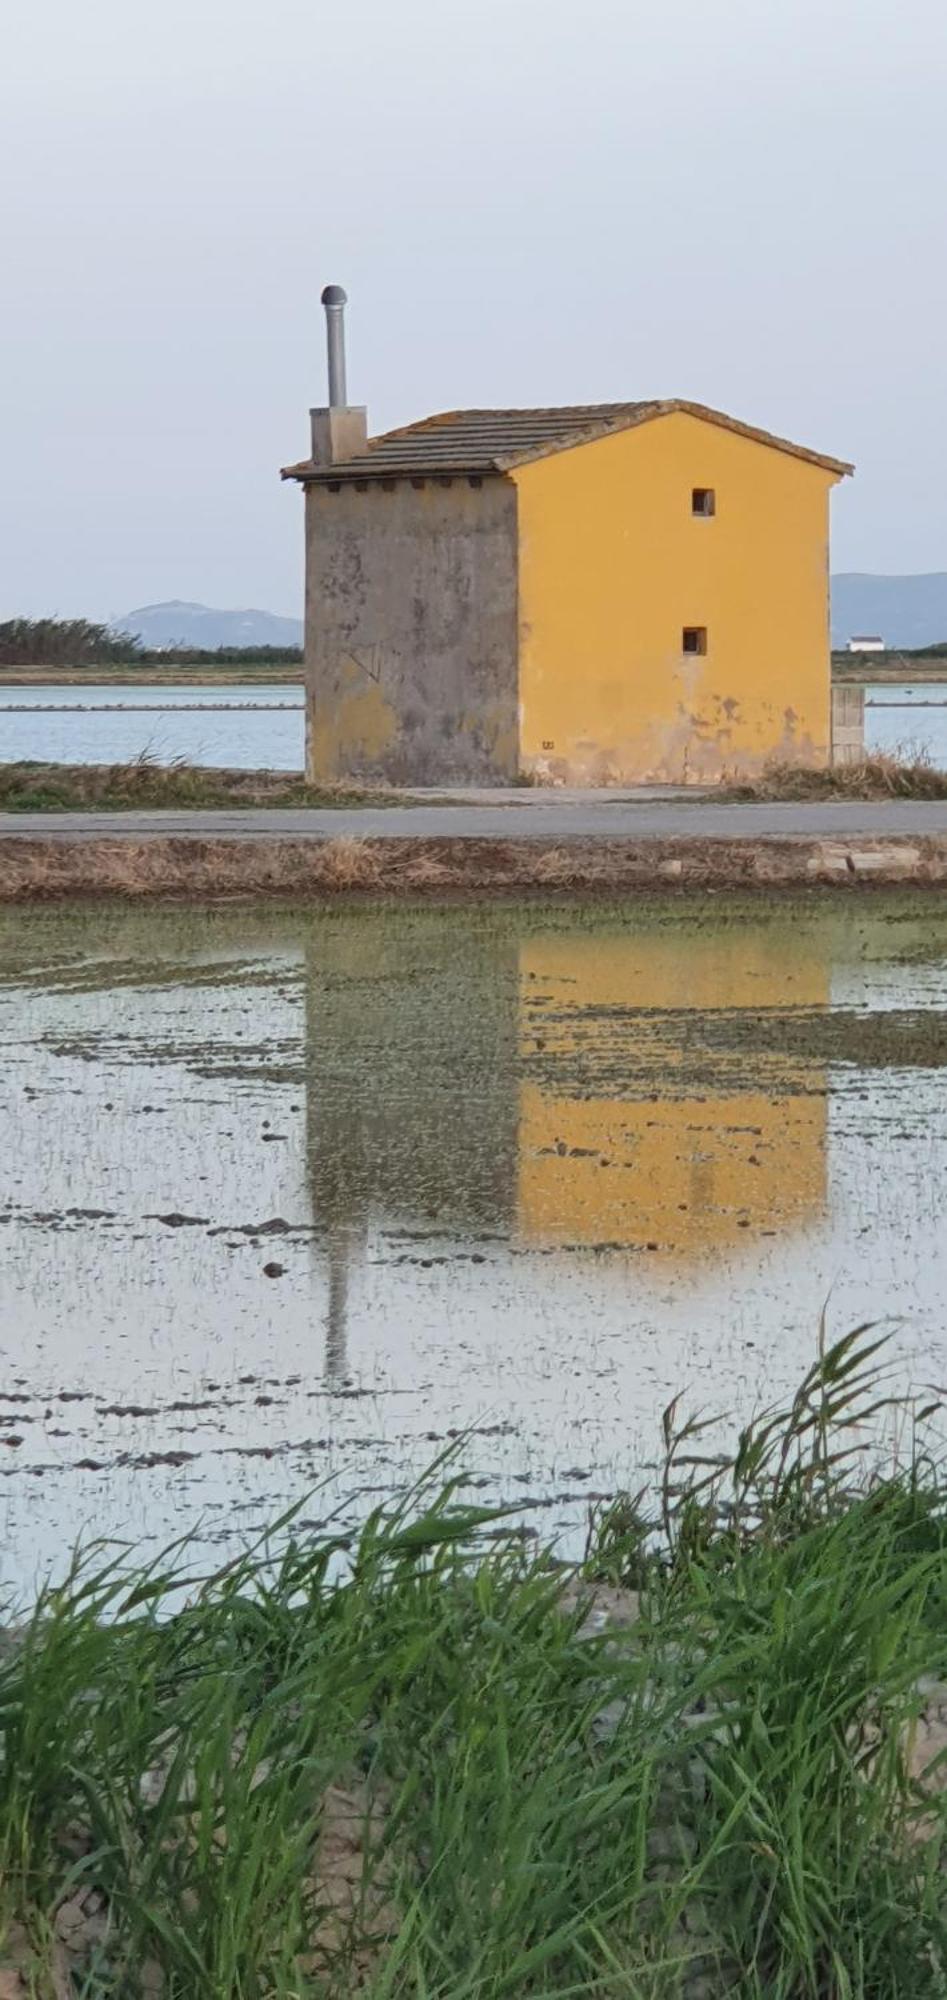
[273, 1270]
[926, 1757]
[828, 861]
[892, 860]
[79, 1927]
[607, 1606]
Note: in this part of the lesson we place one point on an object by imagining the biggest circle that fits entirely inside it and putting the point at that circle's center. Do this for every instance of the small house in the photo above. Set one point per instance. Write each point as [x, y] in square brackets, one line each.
[612, 593]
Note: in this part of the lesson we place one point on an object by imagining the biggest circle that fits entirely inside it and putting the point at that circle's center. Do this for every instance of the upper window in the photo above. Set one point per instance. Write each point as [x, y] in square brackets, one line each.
[694, 639]
[703, 500]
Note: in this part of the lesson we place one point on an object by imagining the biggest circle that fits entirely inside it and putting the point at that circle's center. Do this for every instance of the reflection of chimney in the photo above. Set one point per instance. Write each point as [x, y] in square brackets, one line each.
[340, 431]
[345, 1237]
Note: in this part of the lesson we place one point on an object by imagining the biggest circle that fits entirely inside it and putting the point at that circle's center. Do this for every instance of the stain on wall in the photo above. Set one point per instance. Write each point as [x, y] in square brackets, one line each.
[411, 623]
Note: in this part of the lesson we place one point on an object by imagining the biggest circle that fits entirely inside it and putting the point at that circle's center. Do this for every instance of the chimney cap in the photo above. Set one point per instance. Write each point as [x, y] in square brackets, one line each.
[334, 295]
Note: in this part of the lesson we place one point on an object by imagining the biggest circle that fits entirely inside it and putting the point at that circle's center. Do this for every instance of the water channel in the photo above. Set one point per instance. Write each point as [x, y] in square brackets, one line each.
[292, 1198]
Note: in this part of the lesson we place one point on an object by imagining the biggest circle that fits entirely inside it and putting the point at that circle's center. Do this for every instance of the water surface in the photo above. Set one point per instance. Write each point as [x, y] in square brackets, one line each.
[243, 730]
[240, 728]
[905, 721]
[523, 1173]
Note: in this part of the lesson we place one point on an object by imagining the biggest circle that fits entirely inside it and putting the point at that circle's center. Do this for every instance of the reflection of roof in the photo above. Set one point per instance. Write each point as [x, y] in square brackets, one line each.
[494, 441]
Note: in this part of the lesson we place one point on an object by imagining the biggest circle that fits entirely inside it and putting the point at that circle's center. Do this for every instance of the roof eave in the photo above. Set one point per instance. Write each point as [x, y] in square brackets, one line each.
[649, 413]
[324, 475]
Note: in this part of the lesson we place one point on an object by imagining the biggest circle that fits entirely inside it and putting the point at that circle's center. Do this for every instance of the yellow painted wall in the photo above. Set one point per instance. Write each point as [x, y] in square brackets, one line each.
[613, 564]
[692, 1170]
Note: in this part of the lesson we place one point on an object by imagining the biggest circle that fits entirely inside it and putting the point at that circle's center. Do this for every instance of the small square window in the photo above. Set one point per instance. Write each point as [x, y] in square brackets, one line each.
[703, 500]
[694, 639]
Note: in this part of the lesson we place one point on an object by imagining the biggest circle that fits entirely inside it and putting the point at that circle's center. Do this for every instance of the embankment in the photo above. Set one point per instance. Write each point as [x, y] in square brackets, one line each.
[190, 865]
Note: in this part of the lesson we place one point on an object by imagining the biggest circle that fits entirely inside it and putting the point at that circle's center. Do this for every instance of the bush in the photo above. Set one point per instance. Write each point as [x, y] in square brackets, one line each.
[63, 642]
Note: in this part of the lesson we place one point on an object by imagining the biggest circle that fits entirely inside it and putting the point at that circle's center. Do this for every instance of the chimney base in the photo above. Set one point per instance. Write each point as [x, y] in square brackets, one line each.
[338, 434]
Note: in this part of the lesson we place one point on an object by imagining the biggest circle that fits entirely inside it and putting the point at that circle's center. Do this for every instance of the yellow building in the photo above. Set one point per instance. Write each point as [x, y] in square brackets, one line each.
[615, 593]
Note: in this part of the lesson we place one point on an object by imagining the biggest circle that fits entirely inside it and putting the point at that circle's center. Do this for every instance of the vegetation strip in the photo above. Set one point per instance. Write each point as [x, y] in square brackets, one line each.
[426, 1761]
[191, 865]
[145, 784]
[54, 646]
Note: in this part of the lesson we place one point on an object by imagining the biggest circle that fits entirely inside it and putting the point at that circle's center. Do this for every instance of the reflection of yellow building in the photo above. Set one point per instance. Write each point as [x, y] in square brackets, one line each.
[472, 1078]
[667, 1135]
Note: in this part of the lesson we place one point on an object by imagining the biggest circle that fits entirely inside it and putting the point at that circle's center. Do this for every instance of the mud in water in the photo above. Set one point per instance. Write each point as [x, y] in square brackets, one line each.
[292, 1201]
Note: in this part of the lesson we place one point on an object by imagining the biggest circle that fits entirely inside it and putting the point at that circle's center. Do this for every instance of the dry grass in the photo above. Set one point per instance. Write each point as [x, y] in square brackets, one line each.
[349, 863]
[558, 867]
[423, 871]
[873, 778]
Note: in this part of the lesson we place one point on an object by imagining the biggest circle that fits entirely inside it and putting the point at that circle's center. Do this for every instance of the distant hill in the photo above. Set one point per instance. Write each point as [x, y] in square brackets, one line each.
[902, 610]
[176, 623]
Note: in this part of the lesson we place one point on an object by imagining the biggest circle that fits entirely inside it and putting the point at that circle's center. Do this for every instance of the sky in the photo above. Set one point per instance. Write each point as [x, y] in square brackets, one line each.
[739, 202]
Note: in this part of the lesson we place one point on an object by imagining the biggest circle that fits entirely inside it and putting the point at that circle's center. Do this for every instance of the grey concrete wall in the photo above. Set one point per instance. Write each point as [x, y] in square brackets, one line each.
[411, 632]
[848, 725]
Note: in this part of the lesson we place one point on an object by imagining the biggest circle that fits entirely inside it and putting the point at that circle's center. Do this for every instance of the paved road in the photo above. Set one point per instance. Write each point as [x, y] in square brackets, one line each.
[595, 815]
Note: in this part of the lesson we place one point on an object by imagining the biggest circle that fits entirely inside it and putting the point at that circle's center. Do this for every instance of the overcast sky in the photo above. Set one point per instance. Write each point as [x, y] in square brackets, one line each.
[529, 201]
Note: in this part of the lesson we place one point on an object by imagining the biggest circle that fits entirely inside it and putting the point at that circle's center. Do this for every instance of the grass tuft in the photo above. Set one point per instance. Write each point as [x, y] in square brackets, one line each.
[912, 776]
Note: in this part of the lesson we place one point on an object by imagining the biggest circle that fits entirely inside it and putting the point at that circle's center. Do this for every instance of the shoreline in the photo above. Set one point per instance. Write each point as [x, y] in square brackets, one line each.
[193, 676]
[195, 867]
[847, 671]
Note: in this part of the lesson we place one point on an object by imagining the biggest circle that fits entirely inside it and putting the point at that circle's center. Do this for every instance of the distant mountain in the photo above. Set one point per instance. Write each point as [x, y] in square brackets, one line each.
[180, 624]
[902, 610]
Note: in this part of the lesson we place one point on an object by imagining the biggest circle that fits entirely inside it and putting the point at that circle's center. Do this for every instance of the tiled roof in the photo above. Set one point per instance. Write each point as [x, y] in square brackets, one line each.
[493, 441]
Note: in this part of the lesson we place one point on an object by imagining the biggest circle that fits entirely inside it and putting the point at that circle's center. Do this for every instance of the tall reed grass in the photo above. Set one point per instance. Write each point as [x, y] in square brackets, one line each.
[409, 1764]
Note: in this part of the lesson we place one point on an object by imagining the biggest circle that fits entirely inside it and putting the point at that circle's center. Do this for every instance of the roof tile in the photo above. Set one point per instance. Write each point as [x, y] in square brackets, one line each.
[471, 442]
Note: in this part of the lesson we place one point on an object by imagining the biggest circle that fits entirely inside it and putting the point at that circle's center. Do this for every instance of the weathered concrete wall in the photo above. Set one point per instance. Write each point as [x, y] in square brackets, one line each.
[411, 632]
[848, 725]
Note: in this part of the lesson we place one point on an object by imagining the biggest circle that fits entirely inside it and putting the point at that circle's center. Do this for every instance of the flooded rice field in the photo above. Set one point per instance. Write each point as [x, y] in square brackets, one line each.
[292, 1199]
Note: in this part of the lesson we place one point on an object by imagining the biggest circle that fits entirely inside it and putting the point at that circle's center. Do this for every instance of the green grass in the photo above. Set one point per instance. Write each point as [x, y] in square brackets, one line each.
[145, 783]
[718, 1800]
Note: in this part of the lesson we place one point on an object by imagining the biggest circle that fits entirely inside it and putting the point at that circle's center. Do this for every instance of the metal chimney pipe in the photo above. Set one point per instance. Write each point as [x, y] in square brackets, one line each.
[334, 300]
